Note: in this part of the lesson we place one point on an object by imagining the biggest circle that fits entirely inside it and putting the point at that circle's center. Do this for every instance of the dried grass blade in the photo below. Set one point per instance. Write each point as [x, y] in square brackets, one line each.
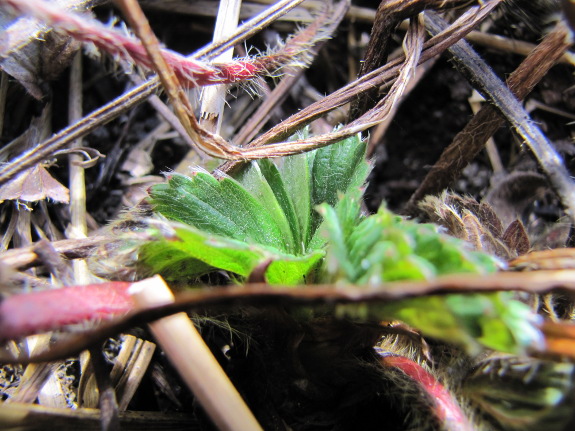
[194, 361]
[213, 98]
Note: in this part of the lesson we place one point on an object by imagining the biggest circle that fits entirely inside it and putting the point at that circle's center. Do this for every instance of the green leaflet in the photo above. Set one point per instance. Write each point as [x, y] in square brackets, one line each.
[263, 181]
[331, 173]
[496, 320]
[296, 174]
[220, 207]
[265, 213]
[384, 247]
[190, 252]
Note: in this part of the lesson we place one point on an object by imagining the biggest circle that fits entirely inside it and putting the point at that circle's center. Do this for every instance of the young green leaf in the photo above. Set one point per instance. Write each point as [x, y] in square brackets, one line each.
[497, 321]
[190, 252]
[265, 213]
[335, 170]
[223, 208]
[295, 171]
[384, 247]
[263, 181]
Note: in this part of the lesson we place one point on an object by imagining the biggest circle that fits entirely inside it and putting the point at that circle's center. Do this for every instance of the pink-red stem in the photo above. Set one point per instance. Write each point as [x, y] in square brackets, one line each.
[445, 407]
[32, 313]
[190, 72]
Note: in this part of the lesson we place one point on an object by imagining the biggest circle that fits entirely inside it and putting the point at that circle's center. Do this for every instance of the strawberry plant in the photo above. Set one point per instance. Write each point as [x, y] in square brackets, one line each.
[302, 219]
[322, 314]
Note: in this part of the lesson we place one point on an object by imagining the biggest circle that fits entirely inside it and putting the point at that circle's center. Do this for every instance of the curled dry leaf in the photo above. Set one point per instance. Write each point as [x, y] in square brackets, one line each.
[34, 185]
[478, 224]
[32, 53]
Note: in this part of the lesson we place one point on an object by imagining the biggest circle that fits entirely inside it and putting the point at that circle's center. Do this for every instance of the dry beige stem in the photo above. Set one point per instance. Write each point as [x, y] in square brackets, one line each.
[129, 368]
[193, 359]
[214, 97]
[78, 226]
[208, 142]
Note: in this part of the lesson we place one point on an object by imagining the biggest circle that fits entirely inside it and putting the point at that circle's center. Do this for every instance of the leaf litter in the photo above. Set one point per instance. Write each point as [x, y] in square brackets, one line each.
[435, 351]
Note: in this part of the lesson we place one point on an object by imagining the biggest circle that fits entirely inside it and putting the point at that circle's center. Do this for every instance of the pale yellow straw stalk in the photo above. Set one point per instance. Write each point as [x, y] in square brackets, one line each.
[187, 351]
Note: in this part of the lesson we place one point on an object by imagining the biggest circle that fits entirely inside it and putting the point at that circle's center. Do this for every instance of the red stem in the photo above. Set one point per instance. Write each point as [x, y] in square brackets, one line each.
[445, 407]
[190, 71]
[31, 313]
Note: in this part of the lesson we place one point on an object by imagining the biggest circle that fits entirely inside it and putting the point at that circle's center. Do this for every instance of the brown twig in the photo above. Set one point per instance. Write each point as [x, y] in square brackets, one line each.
[537, 282]
[387, 73]
[414, 42]
[33, 416]
[25, 257]
[502, 97]
[471, 140]
[389, 14]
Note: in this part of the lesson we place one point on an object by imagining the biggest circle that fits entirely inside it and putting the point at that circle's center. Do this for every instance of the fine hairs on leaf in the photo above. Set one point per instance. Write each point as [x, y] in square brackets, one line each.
[266, 213]
[301, 221]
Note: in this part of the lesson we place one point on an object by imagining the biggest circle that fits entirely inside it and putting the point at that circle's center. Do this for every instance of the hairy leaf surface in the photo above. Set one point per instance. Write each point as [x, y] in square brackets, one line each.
[384, 247]
[264, 214]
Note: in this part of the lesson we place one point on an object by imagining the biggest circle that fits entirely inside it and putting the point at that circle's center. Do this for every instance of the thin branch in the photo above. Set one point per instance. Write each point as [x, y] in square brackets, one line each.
[389, 14]
[385, 74]
[24, 257]
[471, 140]
[537, 282]
[135, 96]
[502, 97]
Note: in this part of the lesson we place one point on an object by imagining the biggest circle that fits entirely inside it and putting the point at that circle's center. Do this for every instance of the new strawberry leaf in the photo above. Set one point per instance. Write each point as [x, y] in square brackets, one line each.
[331, 173]
[384, 247]
[190, 252]
[218, 207]
[264, 214]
